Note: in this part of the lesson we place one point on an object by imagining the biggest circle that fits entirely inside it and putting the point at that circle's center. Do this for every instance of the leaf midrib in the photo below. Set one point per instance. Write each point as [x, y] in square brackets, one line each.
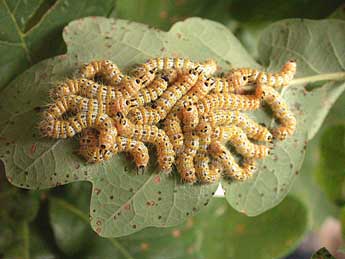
[19, 32]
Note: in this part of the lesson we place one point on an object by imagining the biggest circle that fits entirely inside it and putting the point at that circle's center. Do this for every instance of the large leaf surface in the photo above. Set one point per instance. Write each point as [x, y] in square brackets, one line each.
[31, 30]
[217, 232]
[123, 202]
[69, 218]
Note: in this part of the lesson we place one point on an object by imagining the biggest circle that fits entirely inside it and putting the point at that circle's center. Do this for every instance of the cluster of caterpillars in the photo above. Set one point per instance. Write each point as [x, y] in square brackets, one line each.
[180, 106]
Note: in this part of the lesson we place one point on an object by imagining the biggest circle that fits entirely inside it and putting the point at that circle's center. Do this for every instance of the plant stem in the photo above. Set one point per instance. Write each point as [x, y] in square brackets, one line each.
[323, 77]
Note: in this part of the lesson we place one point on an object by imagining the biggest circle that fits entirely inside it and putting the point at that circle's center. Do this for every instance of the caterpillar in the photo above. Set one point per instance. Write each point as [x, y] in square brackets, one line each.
[151, 134]
[218, 101]
[232, 83]
[204, 172]
[143, 115]
[132, 85]
[90, 150]
[68, 87]
[136, 148]
[155, 89]
[59, 128]
[166, 101]
[280, 110]
[179, 64]
[175, 92]
[184, 161]
[239, 140]
[73, 103]
[107, 138]
[172, 128]
[109, 72]
[113, 100]
[275, 80]
[230, 167]
[249, 126]
[202, 160]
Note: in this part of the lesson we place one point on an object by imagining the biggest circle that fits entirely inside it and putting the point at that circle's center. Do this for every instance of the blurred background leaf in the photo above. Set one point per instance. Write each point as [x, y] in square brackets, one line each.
[31, 30]
[331, 166]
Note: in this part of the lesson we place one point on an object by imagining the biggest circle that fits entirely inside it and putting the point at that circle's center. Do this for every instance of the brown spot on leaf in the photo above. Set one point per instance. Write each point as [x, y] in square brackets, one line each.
[33, 149]
[150, 203]
[157, 179]
[176, 233]
[127, 206]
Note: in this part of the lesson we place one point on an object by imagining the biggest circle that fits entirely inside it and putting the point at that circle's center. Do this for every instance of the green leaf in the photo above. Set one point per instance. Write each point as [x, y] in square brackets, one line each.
[228, 234]
[69, 219]
[18, 239]
[202, 236]
[163, 14]
[123, 202]
[25, 242]
[315, 58]
[331, 166]
[249, 11]
[309, 191]
[31, 30]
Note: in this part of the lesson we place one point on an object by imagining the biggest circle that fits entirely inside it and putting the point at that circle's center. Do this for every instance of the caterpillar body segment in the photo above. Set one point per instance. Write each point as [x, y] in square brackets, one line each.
[230, 167]
[232, 83]
[89, 147]
[68, 87]
[153, 91]
[205, 173]
[109, 72]
[202, 160]
[60, 128]
[93, 153]
[132, 85]
[275, 80]
[219, 101]
[136, 148]
[144, 115]
[175, 92]
[239, 140]
[165, 102]
[185, 167]
[252, 129]
[180, 64]
[165, 153]
[280, 79]
[151, 134]
[172, 127]
[280, 110]
[185, 159]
